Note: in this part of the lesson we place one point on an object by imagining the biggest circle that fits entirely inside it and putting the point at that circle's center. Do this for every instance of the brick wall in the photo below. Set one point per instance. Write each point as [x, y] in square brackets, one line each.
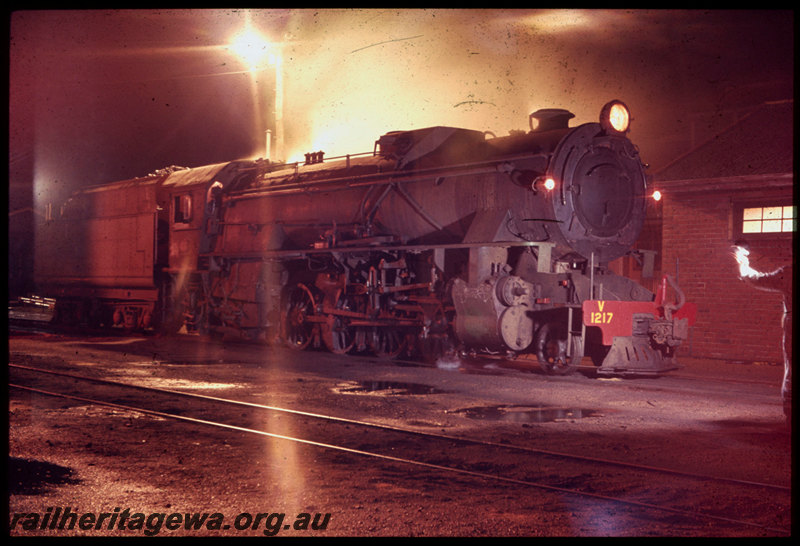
[734, 321]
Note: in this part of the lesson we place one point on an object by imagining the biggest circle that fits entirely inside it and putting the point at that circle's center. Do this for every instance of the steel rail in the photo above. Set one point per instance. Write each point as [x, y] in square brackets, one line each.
[391, 458]
[611, 462]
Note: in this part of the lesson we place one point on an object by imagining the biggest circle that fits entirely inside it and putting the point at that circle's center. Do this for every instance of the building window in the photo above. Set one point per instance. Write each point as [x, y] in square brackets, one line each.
[770, 219]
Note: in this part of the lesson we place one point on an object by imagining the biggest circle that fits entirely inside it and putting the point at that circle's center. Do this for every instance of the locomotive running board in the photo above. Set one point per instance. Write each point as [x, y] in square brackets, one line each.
[299, 253]
[634, 356]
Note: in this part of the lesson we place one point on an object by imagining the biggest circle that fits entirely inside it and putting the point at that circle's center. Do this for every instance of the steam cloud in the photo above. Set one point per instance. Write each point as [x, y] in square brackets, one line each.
[97, 96]
[363, 73]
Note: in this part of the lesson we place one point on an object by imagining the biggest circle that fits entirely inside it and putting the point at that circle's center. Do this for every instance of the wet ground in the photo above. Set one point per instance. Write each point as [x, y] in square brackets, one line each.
[714, 417]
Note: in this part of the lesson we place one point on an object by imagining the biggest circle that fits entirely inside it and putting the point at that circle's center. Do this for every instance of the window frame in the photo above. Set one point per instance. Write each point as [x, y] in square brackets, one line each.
[183, 212]
[738, 218]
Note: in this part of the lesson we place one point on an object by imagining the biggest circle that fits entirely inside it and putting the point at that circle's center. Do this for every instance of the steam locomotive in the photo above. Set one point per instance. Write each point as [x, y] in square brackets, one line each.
[440, 241]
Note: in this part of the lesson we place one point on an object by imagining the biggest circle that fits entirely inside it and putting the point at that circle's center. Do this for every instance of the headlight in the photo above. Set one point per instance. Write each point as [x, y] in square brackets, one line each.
[615, 117]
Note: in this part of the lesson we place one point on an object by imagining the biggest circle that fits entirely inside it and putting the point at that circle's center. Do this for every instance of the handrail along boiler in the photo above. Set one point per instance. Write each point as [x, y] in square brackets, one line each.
[439, 240]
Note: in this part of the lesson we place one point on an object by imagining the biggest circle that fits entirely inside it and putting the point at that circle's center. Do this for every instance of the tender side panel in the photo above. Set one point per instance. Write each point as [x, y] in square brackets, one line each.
[105, 238]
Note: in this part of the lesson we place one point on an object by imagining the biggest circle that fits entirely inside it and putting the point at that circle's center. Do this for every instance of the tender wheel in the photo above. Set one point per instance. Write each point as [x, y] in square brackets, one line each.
[551, 350]
[386, 342]
[297, 330]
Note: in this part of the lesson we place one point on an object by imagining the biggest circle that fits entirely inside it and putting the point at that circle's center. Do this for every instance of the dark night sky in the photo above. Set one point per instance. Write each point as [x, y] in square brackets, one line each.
[98, 96]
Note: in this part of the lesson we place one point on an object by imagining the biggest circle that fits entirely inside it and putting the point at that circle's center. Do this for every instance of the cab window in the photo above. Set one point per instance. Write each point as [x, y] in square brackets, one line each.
[183, 209]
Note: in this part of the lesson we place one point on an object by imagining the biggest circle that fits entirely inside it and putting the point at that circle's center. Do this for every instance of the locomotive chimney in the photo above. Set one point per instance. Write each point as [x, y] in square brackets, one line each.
[550, 118]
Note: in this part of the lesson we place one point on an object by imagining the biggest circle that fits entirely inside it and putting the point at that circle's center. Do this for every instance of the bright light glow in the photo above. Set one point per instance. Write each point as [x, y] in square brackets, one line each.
[254, 49]
[549, 184]
[615, 117]
[657, 195]
[558, 20]
[618, 118]
[742, 257]
[257, 52]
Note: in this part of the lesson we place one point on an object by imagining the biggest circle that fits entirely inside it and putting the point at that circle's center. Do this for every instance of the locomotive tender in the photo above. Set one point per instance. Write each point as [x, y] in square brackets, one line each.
[439, 240]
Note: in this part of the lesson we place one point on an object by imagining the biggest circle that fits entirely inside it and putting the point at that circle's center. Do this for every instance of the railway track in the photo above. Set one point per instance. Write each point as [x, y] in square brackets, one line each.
[724, 501]
[496, 366]
[21, 323]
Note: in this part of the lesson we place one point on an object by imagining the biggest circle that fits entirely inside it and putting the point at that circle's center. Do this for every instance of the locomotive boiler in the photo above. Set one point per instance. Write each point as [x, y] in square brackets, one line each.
[439, 241]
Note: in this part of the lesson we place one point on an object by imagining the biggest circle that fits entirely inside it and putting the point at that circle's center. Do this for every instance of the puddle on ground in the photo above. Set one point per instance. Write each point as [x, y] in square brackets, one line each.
[386, 387]
[526, 414]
